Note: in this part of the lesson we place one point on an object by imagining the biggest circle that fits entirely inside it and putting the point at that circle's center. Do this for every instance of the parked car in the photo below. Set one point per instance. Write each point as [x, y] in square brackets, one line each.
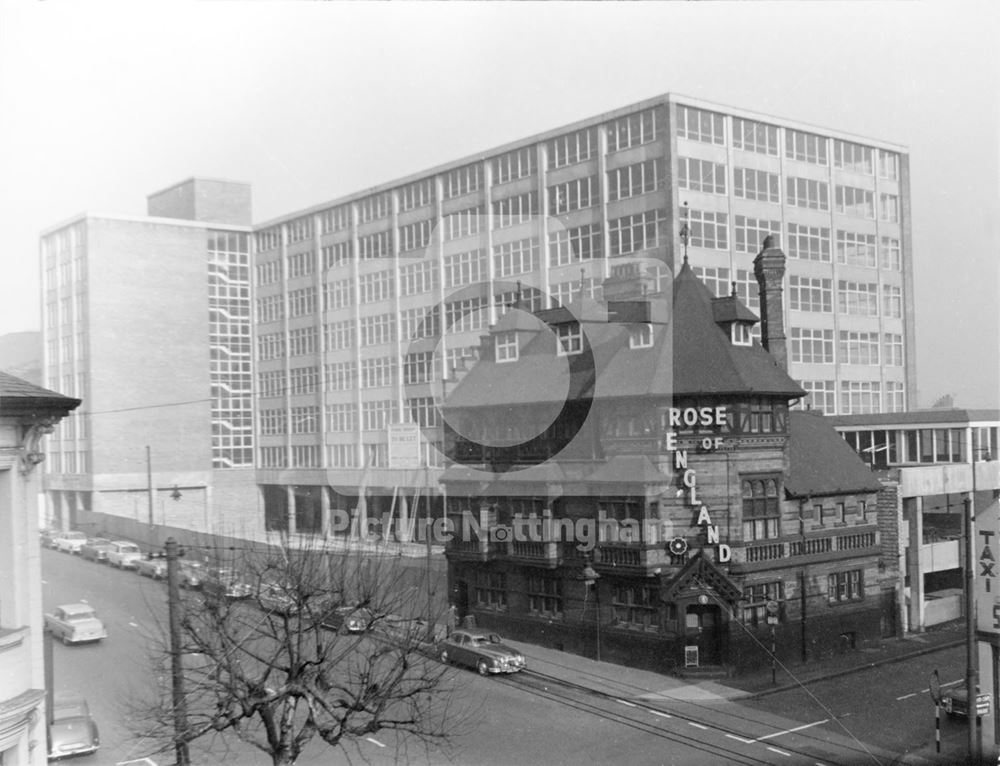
[284, 598]
[47, 536]
[72, 730]
[69, 542]
[96, 549]
[153, 567]
[350, 619]
[224, 583]
[75, 623]
[955, 701]
[124, 554]
[481, 651]
[191, 573]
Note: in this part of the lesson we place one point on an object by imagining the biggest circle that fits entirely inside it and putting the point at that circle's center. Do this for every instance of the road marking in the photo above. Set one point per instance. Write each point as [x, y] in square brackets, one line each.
[697, 725]
[952, 683]
[776, 750]
[906, 696]
[660, 713]
[374, 741]
[741, 739]
[789, 731]
[627, 704]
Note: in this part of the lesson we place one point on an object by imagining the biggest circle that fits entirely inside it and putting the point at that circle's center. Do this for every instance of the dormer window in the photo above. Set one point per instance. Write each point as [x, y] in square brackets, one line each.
[740, 334]
[640, 336]
[570, 339]
[506, 347]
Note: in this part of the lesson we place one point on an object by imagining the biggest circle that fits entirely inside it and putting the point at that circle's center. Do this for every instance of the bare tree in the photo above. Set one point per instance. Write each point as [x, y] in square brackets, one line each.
[327, 645]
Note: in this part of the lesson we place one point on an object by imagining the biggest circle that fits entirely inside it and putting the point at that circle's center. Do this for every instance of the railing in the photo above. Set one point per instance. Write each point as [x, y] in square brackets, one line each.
[767, 552]
[529, 549]
[810, 547]
[626, 557]
[851, 542]
[757, 552]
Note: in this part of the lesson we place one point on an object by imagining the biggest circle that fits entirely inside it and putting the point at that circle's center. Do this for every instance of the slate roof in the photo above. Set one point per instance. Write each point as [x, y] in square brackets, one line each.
[18, 396]
[690, 355]
[821, 462]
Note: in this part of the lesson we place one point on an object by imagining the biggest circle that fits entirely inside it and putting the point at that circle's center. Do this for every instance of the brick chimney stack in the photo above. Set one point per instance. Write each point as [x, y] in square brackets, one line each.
[769, 269]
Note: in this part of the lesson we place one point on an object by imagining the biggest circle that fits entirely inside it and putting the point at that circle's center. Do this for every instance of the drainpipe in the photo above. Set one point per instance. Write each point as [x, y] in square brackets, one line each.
[803, 581]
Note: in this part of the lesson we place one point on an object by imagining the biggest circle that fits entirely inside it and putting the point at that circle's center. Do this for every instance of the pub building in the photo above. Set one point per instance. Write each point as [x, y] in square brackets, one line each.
[628, 483]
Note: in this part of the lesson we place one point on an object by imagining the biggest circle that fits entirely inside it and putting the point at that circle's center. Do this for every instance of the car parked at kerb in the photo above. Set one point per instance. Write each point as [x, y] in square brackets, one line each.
[482, 651]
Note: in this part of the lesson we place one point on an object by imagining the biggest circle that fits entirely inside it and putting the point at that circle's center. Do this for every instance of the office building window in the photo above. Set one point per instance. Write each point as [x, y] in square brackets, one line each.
[467, 268]
[888, 208]
[419, 322]
[378, 372]
[378, 414]
[895, 396]
[854, 158]
[271, 383]
[545, 594]
[812, 346]
[700, 175]
[807, 193]
[377, 286]
[888, 165]
[809, 294]
[890, 255]
[337, 219]
[701, 125]
[377, 245]
[756, 598]
[708, 229]
[302, 341]
[335, 254]
[515, 257]
[270, 308]
[581, 243]
[270, 346]
[760, 185]
[378, 329]
[302, 302]
[860, 397]
[374, 207]
[573, 195]
[415, 236]
[857, 298]
[340, 376]
[633, 233]
[343, 455]
[892, 345]
[416, 278]
[845, 586]
[805, 147]
[272, 457]
[856, 202]
[267, 274]
[305, 420]
[749, 233]
[423, 411]
[855, 249]
[892, 301]
[570, 339]
[338, 294]
[340, 418]
[761, 514]
[273, 422]
[821, 396]
[858, 347]
[810, 243]
[464, 180]
[514, 210]
[716, 279]
[417, 194]
[641, 178]
[269, 239]
[636, 607]
[752, 136]
[636, 129]
[572, 148]
[519, 163]
[564, 293]
[460, 358]
[465, 315]
[419, 367]
[464, 223]
[303, 380]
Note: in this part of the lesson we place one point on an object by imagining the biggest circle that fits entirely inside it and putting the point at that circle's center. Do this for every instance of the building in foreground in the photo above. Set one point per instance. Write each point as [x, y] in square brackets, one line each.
[366, 304]
[27, 414]
[629, 482]
[147, 320]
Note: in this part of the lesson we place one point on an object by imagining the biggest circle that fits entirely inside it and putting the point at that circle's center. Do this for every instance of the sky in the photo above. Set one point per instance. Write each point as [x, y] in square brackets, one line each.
[103, 103]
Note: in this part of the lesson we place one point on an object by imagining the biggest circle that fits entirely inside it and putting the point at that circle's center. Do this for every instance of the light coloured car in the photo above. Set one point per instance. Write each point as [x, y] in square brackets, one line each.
[124, 554]
[68, 542]
[482, 651]
[72, 731]
[75, 624]
[155, 568]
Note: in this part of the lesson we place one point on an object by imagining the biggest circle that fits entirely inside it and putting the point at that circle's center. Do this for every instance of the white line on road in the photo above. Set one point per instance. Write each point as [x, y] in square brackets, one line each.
[906, 696]
[627, 704]
[661, 714]
[776, 750]
[697, 725]
[374, 741]
[741, 739]
[789, 731]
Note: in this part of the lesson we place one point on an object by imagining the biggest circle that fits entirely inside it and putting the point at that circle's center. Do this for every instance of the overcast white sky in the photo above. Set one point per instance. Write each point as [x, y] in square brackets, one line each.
[101, 104]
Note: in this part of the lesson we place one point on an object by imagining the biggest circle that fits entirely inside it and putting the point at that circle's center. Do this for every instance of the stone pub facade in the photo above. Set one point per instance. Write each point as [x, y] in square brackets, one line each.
[628, 482]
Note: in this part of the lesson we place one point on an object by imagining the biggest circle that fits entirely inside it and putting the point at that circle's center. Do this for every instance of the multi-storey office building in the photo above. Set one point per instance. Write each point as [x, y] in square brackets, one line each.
[366, 304]
[147, 320]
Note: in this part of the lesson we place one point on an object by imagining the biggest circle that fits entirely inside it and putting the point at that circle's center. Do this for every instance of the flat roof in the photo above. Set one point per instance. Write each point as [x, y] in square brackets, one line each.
[916, 418]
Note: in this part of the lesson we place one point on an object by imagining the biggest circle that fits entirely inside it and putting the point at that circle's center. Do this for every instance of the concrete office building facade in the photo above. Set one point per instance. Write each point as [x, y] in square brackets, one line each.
[366, 305]
[147, 320]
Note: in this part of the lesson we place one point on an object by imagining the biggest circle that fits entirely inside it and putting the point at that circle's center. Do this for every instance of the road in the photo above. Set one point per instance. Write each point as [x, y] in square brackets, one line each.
[526, 718]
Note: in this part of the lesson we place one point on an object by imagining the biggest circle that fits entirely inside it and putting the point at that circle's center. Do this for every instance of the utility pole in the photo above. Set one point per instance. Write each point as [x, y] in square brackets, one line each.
[176, 668]
[149, 484]
[971, 670]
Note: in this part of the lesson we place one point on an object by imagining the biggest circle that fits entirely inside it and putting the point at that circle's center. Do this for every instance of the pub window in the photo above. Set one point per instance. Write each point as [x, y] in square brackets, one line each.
[760, 508]
[491, 590]
[756, 598]
[845, 586]
[636, 607]
[545, 597]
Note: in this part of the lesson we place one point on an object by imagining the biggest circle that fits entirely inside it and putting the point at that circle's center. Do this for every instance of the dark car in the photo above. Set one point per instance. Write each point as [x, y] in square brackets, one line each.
[956, 701]
[96, 549]
[190, 573]
[224, 584]
[72, 731]
[481, 651]
[350, 619]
